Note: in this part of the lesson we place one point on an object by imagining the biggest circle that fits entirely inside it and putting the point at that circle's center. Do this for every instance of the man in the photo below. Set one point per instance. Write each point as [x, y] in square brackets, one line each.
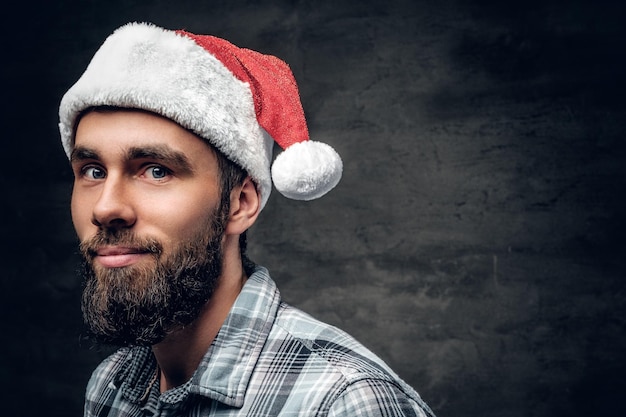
[170, 136]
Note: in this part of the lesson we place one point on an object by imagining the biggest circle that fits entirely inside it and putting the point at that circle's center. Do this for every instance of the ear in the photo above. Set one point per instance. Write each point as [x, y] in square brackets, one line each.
[245, 205]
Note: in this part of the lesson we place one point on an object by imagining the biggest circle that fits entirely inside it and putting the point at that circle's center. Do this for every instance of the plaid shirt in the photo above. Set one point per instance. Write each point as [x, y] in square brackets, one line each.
[268, 359]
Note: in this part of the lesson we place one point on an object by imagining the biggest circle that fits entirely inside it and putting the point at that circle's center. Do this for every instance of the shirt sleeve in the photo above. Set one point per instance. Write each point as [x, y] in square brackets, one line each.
[376, 398]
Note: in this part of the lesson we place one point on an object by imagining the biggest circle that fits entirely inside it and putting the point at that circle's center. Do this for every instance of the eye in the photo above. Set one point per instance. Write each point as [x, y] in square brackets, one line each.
[158, 172]
[94, 173]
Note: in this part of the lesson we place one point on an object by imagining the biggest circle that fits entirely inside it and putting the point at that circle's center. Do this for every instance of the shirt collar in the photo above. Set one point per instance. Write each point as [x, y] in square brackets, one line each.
[226, 368]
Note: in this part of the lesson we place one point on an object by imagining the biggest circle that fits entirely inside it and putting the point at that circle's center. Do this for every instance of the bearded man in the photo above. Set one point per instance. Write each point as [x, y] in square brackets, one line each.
[170, 136]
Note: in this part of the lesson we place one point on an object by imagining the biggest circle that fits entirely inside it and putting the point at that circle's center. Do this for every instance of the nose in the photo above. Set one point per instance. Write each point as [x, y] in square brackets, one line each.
[114, 208]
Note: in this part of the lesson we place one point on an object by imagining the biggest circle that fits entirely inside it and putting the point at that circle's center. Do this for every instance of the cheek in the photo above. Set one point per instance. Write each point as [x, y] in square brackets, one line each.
[81, 215]
[181, 216]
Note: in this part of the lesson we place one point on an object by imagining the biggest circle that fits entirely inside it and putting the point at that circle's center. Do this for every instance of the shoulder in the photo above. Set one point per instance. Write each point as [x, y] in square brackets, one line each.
[373, 397]
[332, 346]
[358, 382]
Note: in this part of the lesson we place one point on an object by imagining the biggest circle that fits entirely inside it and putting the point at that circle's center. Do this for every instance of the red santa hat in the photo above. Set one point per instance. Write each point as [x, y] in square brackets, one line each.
[239, 100]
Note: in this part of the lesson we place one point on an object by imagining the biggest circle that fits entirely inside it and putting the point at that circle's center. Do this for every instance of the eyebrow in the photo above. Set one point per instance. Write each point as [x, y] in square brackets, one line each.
[81, 153]
[161, 153]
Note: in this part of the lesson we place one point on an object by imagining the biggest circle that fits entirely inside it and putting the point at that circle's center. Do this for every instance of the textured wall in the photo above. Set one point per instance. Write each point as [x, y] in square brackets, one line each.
[475, 241]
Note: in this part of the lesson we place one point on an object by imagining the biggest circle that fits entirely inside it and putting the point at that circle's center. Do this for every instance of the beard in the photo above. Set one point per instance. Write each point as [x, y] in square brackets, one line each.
[141, 304]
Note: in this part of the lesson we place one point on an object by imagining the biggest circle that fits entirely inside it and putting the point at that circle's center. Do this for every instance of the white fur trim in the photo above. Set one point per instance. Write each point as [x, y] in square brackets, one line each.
[192, 88]
[306, 170]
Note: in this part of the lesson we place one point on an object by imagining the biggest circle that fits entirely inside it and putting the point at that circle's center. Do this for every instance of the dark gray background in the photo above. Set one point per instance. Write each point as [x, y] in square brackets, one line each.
[475, 241]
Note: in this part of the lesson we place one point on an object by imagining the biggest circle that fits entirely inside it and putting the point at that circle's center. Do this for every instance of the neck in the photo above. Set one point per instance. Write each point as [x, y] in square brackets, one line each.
[180, 353]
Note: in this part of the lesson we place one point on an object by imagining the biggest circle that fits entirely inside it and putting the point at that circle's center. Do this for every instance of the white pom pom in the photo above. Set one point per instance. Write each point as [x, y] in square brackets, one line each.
[306, 170]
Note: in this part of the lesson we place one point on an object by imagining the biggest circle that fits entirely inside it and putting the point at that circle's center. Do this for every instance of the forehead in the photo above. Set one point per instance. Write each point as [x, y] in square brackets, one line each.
[121, 129]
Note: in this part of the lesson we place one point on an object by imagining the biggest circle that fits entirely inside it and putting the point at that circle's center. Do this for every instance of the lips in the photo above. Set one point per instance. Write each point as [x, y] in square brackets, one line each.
[118, 257]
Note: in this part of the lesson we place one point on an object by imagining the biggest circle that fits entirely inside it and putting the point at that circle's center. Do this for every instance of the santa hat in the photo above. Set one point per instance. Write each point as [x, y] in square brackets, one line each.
[239, 100]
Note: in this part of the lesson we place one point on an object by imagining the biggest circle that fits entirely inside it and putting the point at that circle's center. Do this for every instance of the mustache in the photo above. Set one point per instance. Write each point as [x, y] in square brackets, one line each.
[89, 247]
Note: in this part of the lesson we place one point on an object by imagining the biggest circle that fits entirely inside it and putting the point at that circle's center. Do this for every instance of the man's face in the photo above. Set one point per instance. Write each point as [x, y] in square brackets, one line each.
[146, 209]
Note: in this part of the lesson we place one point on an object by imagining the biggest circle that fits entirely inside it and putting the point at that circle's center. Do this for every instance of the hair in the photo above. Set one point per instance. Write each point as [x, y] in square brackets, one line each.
[231, 176]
